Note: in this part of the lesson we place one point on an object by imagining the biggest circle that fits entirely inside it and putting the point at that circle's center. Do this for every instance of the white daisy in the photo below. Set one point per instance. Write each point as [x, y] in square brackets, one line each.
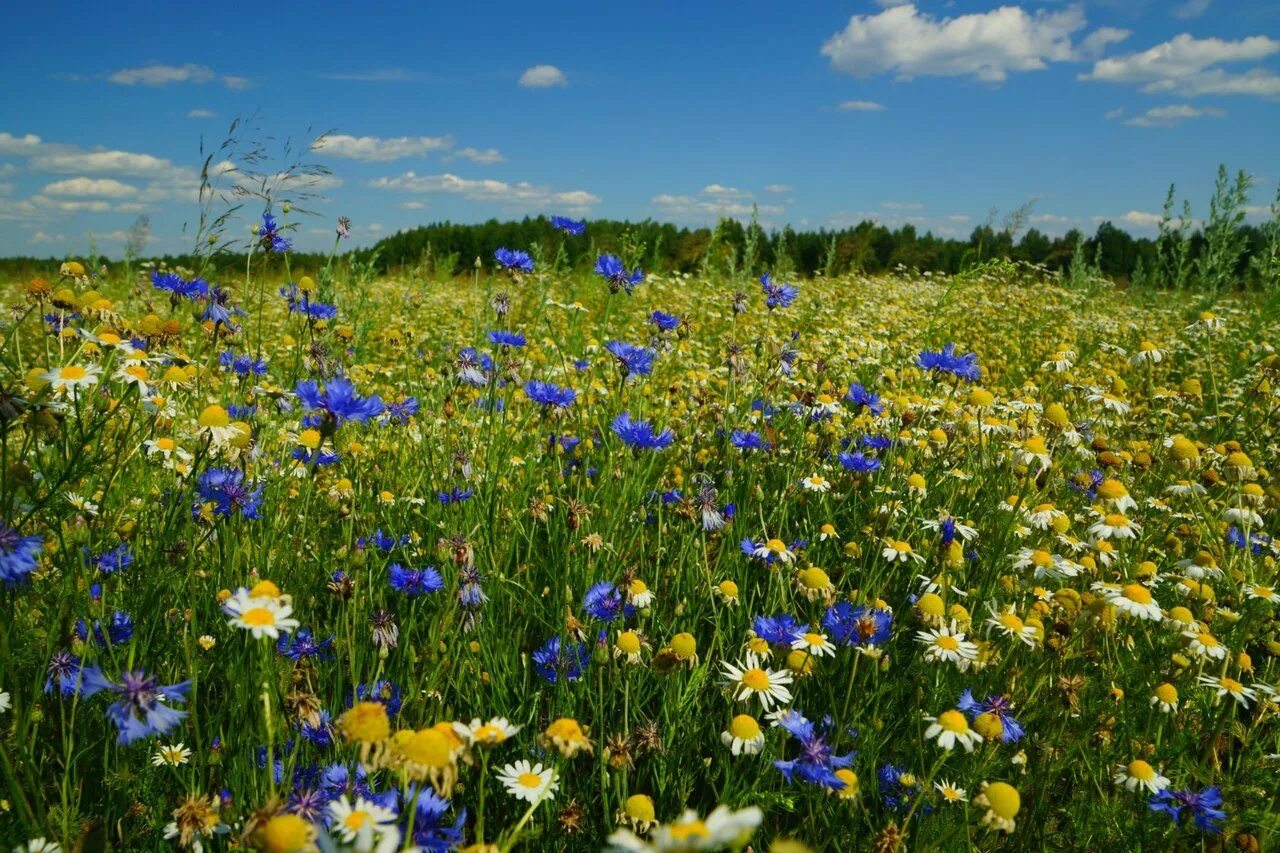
[529, 782]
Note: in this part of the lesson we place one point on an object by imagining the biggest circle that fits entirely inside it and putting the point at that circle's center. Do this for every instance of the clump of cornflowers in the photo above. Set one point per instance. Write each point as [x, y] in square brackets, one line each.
[507, 340]
[299, 301]
[560, 660]
[616, 275]
[18, 555]
[818, 762]
[223, 493]
[142, 710]
[604, 601]
[992, 717]
[335, 402]
[514, 262]
[178, 287]
[946, 361]
[242, 365]
[776, 294]
[640, 435]
[866, 629]
[414, 582]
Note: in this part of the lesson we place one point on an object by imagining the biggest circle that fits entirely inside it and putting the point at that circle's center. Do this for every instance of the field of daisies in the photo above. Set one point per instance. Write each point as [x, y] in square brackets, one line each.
[294, 559]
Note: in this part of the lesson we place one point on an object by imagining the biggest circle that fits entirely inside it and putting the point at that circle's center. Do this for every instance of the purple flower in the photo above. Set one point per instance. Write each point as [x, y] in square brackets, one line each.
[778, 630]
[414, 582]
[336, 401]
[817, 763]
[857, 626]
[225, 490]
[859, 463]
[558, 660]
[777, 295]
[1204, 806]
[1011, 730]
[513, 340]
[513, 260]
[640, 435]
[549, 395]
[17, 555]
[863, 398]
[945, 360]
[270, 237]
[603, 601]
[572, 227]
[610, 268]
[143, 707]
[631, 358]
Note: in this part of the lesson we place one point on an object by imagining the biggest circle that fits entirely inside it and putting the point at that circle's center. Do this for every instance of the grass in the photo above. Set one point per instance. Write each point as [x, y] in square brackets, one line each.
[542, 520]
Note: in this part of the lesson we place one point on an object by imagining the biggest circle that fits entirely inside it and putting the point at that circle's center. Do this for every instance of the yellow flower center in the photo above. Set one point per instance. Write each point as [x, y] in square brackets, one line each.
[166, 444]
[1041, 558]
[814, 640]
[946, 642]
[686, 831]
[356, 819]
[214, 416]
[629, 642]
[1115, 519]
[1003, 799]
[73, 373]
[684, 645]
[640, 807]
[530, 780]
[953, 721]
[1012, 622]
[490, 734]
[756, 678]
[1230, 685]
[1137, 593]
[1207, 640]
[728, 589]
[1140, 770]
[777, 546]
[744, 727]
[814, 578]
[1167, 693]
[258, 617]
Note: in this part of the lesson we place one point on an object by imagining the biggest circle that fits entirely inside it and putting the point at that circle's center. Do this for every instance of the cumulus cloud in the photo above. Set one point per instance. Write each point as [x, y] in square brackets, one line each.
[522, 194]
[1173, 115]
[778, 188]
[1190, 66]
[158, 74]
[1191, 8]
[902, 205]
[990, 45]
[543, 77]
[481, 156]
[1137, 219]
[199, 113]
[860, 107]
[91, 187]
[712, 202]
[372, 149]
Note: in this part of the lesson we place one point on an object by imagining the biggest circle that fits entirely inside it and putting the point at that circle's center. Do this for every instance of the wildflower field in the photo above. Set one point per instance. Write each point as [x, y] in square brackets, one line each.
[307, 558]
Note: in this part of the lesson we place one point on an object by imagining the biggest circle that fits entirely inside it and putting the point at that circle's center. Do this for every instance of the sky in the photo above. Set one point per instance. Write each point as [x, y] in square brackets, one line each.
[820, 114]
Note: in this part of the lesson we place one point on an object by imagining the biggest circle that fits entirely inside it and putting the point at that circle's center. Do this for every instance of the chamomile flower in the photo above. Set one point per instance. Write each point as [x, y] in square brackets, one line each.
[1008, 622]
[773, 549]
[1140, 774]
[1261, 592]
[360, 821]
[750, 679]
[727, 591]
[722, 828]
[1132, 599]
[170, 756]
[628, 646]
[952, 727]
[532, 783]
[816, 483]
[639, 595]
[492, 733]
[1205, 646]
[814, 584]
[900, 551]
[1045, 564]
[744, 736]
[262, 616]
[1115, 525]
[1002, 802]
[1224, 686]
[1165, 697]
[947, 644]
[950, 793]
[72, 379]
[814, 644]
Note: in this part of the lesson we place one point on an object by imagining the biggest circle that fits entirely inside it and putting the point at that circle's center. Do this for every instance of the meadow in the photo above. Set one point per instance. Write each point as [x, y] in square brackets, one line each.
[536, 558]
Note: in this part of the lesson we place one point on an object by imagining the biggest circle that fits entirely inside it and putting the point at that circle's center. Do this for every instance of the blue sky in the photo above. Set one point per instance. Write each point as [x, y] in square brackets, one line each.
[820, 113]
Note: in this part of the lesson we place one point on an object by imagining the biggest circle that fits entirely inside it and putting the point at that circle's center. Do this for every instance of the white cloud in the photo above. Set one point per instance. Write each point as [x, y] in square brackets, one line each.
[1112, 115]
[413, 205]
[543, 77]
[382, 75]
[372, 149]
[778, 188]
[1190, 66]
[713, 202]
[986, 45]
[957, 217]
[158, 74]
[1173, 115]
[19, 145]
[91, 187]
[1139, 219]
[902, 205]
[40, 237]
[522, 194]
[1191, 8]
[199, 114]
[69, 160]
[860, 107]
[481, 156]
[374, 227]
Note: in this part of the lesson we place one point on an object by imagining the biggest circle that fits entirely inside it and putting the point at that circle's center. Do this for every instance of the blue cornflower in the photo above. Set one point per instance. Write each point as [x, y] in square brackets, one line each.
[664, 321]
[603, 601]
[301, 303]
[558, 660]
[120, 630]
[142, 709]
[385, 542]
[513, 340]
[472, 367]
[631, 358]
[242, 365]
[997, 707]
[513, 260]
[455, 496]
[549, 395]
[225, 490]
[402, 411]
[1204, 806]
[859, 462]
[471, 596]
[863, 398]
[778, 630]
[817, 763]
[336, 401]
[1256, 542]
[875, 442]
[945, 360]
[319, 458]
[310, 804]
[862, 627]
[219, 310]
[640, 434]
[240, 412]
[430, 831]
[321, 732]
[747, 439]
[414, 582]
[385, 692]
[572, 227]
[610, 268]
[777, 295]
[17, 555]
[1086, 482]
[302, 645]
[897, 793]
[178, 287]
[269, 235]
[64, 672]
